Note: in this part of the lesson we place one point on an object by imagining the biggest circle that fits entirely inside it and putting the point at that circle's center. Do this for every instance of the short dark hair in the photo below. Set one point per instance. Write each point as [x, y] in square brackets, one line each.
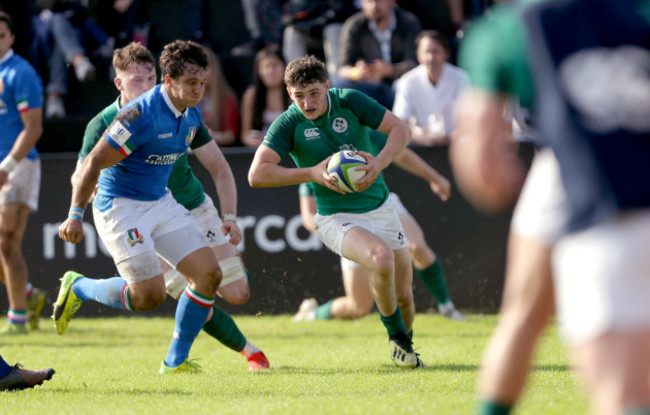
[133, 53]
[181, 55]
[304, 71]
[433, 35]
[4, 17]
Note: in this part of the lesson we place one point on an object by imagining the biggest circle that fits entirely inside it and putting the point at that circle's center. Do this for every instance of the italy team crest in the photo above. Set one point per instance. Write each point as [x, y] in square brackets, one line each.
[134, 237]
[190, 135]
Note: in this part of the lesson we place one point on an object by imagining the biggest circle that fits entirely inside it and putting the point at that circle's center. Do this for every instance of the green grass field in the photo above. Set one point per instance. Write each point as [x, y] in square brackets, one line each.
[110, 366]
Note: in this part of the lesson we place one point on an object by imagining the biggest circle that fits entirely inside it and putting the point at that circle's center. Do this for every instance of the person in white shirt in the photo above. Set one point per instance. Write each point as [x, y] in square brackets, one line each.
[425, 96]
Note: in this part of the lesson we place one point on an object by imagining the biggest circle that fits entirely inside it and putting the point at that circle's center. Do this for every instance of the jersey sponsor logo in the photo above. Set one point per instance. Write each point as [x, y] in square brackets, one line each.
[312, 133]
[190, 136]
[133, 237]
[598, 82]
[162, 160]
[119, 133]
[340, 125]
[166, 135]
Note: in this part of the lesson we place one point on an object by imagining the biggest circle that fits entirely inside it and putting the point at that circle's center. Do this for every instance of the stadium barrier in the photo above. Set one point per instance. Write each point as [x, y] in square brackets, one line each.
[287, 264]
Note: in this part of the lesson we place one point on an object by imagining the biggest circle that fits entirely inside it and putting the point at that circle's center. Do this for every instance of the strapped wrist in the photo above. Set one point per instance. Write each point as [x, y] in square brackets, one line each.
[8, 164]
[229, 216]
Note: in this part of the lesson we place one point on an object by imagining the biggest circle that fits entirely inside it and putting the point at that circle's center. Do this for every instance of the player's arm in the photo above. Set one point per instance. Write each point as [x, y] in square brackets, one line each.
[399, 135]
[265, 171]
[101, 157]
[308, 211]
[482, 153]
[215, 163]
[33, 128]
[409, 161]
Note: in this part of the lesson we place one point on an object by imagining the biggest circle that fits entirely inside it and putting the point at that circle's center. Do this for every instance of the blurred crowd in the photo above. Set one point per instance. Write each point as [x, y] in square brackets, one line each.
[400, 52]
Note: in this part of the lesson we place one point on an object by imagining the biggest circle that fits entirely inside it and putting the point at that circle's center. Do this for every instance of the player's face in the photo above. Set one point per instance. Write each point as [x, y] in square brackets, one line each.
[432, 54]
[135, 81]
[311, 100]
[271, 71]
[187, 90]
[6, 39]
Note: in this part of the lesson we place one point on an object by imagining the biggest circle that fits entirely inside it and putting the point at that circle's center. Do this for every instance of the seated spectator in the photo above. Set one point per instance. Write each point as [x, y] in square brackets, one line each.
[316, 18]
[267, 98]
[425, 96]
[66, 34]
[219, 105]
[377, 48]
[121, 19]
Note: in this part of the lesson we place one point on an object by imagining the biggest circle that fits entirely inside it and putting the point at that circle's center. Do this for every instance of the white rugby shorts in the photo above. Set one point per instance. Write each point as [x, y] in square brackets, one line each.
[23, 185]
[602, 278]
[541, 211]
[383, 222]
[136, 231]
[207, 217]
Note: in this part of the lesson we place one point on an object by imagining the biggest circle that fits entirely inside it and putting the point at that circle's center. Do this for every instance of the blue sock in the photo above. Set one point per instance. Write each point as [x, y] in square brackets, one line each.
[109, 291]
[5, 369]
[191, 312]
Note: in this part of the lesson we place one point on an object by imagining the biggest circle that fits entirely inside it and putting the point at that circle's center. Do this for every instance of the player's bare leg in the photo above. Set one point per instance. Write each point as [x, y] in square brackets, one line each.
[358, 300]
[527, 305]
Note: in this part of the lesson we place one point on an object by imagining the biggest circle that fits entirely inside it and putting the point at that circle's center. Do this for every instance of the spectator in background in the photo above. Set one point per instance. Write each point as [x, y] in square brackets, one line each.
[267, 98]
[219, 105]
[377, 48]
[316, 18]
[68, 34]
[21, 118]
[119, 18]
[425, 96]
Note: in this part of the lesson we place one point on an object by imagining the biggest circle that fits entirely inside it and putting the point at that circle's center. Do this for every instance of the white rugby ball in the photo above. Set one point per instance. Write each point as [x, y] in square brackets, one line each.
[342, 167]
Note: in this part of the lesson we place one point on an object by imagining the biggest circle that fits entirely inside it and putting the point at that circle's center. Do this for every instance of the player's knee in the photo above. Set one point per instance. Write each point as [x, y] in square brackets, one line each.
[383, 260]
[148, 300]
[361, 309]
[404, 298]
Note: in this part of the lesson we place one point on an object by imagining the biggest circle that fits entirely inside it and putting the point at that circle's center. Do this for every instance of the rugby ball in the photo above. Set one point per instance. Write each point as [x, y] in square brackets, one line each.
[342, 167]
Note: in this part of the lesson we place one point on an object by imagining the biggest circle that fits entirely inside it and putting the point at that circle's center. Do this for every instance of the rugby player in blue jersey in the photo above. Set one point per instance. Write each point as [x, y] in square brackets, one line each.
[21, 115]
[137, 216]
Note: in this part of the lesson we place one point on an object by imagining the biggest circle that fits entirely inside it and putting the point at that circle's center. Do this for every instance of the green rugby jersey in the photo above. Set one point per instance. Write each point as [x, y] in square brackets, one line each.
[494, 51]
[184, 185]
[341, 127]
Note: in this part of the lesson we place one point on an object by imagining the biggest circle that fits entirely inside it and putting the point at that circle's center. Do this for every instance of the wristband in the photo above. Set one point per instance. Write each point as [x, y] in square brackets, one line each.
[8, 164]
[76, 213]
[230, 216]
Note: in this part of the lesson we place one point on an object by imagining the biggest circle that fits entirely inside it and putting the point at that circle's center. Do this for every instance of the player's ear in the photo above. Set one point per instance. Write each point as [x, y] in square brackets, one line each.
[117, 81]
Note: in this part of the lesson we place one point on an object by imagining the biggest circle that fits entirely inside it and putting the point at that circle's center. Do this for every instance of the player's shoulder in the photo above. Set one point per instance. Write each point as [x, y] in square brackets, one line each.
[22, 69]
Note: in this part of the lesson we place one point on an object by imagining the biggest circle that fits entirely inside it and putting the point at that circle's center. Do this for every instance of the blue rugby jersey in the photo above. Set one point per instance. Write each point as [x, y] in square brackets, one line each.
[21, 89]
[152, 135]
[591, 60]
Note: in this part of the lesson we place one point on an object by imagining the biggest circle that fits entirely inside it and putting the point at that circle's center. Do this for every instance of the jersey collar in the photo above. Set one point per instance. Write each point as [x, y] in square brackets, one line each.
[169, 103]
[7, 55]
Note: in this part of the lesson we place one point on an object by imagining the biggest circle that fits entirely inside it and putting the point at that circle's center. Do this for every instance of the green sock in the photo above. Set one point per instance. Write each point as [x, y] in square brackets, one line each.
[493, 408]
[410, 333]
[434, 278]
[394, 323]
[324, 312]
[223, 328]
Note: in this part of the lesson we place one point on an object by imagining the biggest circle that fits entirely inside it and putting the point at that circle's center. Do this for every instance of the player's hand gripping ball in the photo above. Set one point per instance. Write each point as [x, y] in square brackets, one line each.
[342, 167]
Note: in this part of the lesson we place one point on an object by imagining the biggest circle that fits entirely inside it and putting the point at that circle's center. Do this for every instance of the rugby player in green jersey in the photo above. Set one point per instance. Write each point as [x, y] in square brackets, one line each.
[362, 226]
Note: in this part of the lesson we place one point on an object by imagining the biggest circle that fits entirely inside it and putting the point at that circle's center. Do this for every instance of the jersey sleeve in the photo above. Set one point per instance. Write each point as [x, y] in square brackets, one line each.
[369, 111]
[279, 136]
[202, 137]
[28, 89]
[93, 133]
[494, 54]
[305, 190]
[121, 134]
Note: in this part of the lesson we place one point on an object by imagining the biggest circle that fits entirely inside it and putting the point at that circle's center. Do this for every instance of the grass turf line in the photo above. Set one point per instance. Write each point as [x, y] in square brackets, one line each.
[110, 366]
